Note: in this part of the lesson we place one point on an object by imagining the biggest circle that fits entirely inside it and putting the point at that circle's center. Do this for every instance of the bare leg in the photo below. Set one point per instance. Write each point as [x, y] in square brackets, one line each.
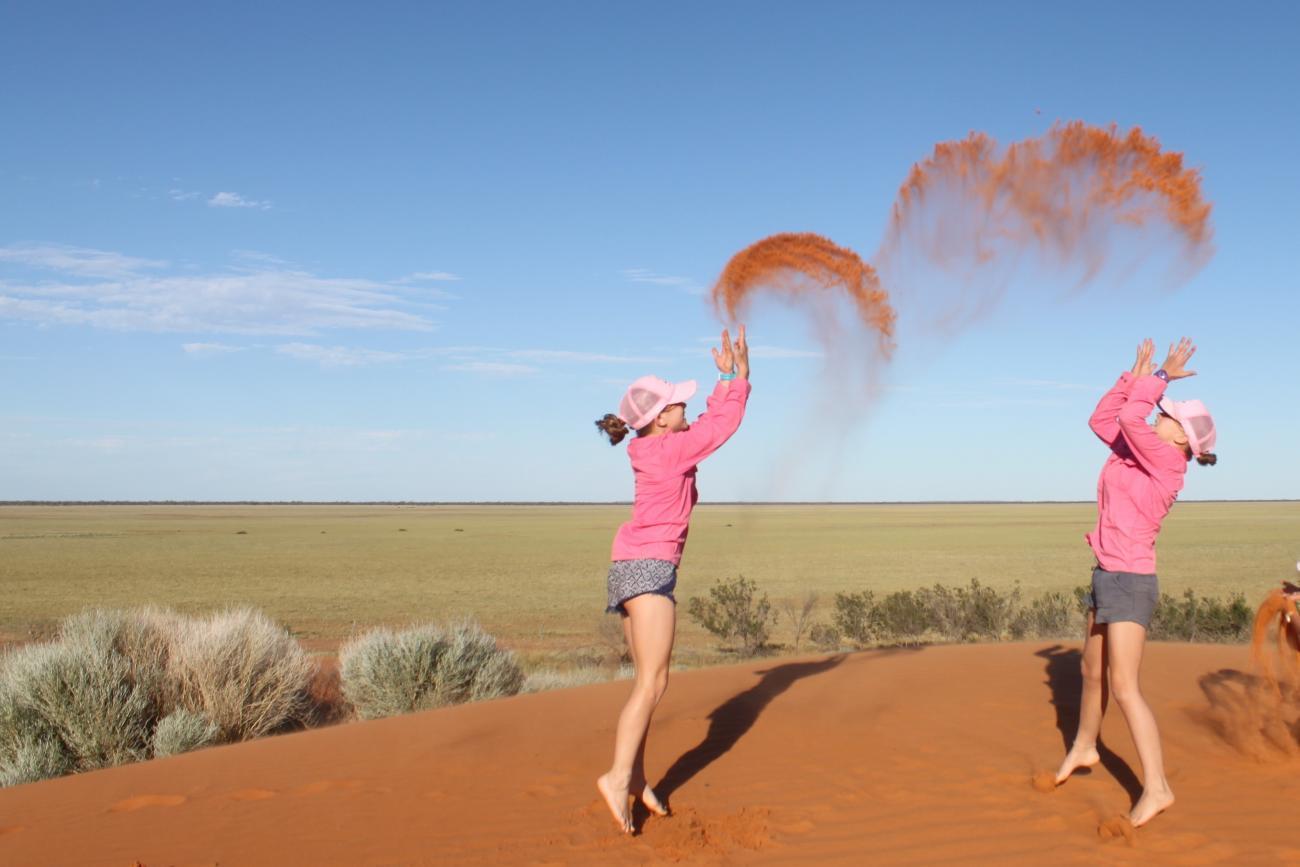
[1127, 641]
[652, 621]
[1092, 702]
[639, 779]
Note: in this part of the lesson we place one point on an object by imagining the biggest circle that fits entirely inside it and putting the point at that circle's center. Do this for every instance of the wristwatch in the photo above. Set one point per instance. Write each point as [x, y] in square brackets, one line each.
[1161, 373]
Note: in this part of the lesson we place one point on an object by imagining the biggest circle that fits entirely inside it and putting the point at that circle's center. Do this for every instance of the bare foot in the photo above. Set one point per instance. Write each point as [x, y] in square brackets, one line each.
[1076, 758]
[652, 802]
[1150, 805]
[616, 798]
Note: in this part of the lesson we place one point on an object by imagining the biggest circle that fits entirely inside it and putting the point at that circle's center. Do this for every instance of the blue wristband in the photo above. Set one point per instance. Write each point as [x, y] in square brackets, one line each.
[726, 377]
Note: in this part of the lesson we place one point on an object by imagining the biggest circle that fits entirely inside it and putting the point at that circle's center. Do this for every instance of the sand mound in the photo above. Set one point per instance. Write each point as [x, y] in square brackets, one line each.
[916, 756]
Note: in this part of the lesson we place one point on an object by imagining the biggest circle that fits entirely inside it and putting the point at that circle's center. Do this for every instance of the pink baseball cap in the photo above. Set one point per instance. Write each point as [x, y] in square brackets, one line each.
[1196, 421]
[648, 396]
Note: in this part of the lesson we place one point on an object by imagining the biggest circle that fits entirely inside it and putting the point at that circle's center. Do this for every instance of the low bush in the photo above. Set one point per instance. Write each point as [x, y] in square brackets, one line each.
[385, 673]
[735, 611]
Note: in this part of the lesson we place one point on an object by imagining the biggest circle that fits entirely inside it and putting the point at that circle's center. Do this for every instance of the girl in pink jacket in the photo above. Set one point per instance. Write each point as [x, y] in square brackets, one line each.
[648, 548]
[1139, 483]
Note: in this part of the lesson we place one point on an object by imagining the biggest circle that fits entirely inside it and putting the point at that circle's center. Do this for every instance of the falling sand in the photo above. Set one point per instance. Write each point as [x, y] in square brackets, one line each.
[797, 263]
[1259, 714]
[1076, 200]
[1071, 197]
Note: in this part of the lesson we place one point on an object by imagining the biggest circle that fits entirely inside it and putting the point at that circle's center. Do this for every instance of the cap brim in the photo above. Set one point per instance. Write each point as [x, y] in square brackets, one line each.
[683, 391]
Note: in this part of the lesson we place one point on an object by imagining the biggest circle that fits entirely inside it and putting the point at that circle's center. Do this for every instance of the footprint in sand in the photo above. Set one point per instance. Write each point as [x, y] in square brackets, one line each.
[542, 791]
[251, 795]
[1044, 781]
[1116, 828]
[139, 802]
[327, 786]
[11, 829]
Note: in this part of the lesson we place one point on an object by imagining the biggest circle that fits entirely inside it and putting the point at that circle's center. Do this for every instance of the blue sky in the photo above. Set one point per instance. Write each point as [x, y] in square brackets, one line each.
[412, 251]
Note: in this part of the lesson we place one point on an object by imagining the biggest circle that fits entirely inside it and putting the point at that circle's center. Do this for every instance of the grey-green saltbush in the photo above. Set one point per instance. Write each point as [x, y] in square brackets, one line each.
[121, 686]
[735, 610]
[182, 731]
[385, 673]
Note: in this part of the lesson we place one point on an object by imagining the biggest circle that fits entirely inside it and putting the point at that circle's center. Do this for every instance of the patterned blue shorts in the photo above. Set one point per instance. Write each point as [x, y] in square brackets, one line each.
[629, 578]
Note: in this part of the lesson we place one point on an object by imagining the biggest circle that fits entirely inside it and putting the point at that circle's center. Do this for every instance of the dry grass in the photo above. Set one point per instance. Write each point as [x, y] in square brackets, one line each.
[534, 576]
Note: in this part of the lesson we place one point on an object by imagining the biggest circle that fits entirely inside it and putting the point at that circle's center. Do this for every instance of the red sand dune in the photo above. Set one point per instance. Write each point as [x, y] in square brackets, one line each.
[918, 756]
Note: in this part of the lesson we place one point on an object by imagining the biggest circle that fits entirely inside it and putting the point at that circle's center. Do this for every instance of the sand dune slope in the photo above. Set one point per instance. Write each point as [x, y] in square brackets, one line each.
[887, 757]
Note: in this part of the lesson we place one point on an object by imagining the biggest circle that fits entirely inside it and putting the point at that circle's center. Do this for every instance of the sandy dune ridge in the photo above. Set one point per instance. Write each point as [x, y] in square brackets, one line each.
[904, 756]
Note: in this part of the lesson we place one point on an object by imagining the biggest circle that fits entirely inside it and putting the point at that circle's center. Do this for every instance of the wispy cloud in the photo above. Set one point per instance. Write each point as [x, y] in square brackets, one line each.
[1045, 384]
[179, 195]
[492, 368]
[77, 286]
[578, 357]
[208, 350]
[235, 200]
[339, 356]
[429, 276]
[645, 275]
[76, 261]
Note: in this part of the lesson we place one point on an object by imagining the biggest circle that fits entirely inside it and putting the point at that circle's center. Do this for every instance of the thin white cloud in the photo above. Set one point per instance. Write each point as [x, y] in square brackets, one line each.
[76, 261]
[645, 275]
[434, 276]
[178, 195]
[578, 357]
[338, 356]
[208, 350]
[235, 200]
[1046, 384]
[110, 290]
[492, 368]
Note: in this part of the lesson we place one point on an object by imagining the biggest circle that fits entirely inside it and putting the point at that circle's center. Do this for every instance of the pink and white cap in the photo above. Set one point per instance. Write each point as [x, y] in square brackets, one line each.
[1196, 421]
[648, 396]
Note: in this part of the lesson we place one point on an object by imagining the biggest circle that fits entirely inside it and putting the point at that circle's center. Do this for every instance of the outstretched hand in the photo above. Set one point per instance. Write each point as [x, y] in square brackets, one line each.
[734, 356]
[1142, 366]
[1176, 360]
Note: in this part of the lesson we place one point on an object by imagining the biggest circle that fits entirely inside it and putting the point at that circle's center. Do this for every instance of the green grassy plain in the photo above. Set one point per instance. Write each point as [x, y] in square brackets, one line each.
[534, 575]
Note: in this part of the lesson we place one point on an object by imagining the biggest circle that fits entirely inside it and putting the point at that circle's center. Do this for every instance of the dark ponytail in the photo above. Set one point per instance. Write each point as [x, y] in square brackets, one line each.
[1207, 459]
[613, 427]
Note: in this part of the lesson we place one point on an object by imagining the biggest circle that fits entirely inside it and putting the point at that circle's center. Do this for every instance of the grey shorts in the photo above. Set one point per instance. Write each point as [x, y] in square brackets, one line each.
[629, 578]
[1123, 596]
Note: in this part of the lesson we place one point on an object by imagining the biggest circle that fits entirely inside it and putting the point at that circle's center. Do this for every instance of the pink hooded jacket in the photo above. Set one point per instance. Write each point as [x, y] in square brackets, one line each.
[664, 468]
[1139, 481]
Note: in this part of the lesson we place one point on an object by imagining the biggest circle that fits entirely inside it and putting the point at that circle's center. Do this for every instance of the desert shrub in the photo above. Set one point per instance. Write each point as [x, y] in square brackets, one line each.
[853, 616]
[825, 636]
[1052, 615]
[971, 613]
[546, 679]
[385, 673]
[902, 616]
[735, 611]
[474, 668]
[799, 612]
[78, 697]
[1194, 618]
[33, 759]
[182, 731]
[243, 672]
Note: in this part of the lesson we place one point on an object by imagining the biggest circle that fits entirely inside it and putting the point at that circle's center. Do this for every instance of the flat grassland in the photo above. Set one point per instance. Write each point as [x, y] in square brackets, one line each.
[534, 575]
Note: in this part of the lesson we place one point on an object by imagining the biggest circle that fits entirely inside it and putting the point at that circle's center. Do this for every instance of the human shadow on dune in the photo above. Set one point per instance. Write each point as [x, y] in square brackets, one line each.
[729, 721]
[1065, 678]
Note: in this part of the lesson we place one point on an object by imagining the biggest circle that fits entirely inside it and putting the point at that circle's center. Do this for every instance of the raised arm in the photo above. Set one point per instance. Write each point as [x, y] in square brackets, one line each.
[1149, 450]
[724, 408]
[1105, 418]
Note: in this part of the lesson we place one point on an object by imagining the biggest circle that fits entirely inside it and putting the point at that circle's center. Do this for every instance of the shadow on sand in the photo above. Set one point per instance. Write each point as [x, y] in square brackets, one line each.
[729, 722]
[1065, 679]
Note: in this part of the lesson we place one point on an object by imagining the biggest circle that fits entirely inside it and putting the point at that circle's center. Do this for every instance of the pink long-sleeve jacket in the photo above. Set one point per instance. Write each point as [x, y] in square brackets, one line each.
[664, 468]
[1139, 481]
